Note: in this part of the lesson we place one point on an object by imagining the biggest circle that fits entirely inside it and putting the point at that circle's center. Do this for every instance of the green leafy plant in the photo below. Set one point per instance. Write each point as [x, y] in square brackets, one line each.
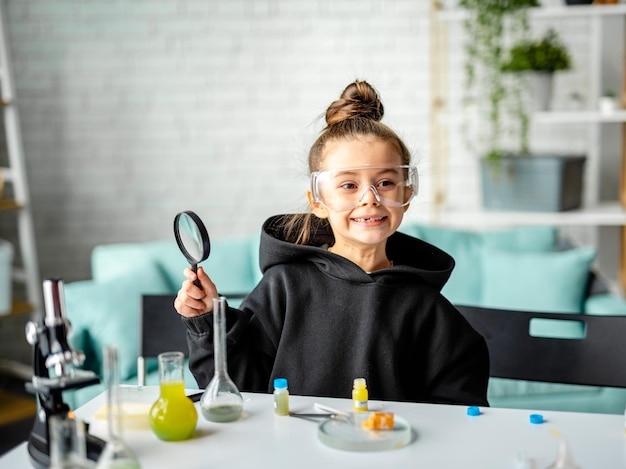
[547, 54]
[489, 24]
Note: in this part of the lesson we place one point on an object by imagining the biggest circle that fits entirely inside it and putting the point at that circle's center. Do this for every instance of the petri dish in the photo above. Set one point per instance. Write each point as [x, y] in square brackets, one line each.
[348, 435]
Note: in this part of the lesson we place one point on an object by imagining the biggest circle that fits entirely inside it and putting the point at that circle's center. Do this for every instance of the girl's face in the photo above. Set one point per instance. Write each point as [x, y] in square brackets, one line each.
[369, 224]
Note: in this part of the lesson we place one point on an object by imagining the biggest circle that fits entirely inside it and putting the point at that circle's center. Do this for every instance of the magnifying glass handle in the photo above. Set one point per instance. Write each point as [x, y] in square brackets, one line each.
[196, 282]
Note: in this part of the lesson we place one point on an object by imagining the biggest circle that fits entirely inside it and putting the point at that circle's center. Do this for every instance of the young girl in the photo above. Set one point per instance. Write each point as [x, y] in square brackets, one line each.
[343, 295]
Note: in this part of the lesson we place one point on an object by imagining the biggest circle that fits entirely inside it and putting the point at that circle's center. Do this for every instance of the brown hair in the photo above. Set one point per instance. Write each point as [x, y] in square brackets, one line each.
[356, 113]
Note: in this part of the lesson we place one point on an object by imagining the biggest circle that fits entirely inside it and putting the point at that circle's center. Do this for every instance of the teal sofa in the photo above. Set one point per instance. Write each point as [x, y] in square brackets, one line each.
[522, 269]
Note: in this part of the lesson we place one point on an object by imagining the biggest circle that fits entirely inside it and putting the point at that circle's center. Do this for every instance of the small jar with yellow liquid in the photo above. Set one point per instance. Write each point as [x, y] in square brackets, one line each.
[173, 417]
[359, 395]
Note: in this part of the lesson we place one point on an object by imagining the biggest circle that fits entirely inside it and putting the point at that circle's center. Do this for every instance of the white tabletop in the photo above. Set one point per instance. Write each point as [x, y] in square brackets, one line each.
[443, 437]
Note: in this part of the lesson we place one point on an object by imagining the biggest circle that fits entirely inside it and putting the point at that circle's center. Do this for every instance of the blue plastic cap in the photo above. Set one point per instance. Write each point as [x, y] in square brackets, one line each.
[536, 418]
[280, 383]
[473, 411]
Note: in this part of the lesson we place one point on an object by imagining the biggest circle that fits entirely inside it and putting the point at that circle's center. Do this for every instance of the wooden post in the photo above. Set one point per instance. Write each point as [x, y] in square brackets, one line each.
[622, 270]
[438, 102]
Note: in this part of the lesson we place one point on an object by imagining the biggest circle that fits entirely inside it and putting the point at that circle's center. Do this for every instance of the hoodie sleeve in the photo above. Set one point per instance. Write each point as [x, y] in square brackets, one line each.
[249, 351]
[460, 359]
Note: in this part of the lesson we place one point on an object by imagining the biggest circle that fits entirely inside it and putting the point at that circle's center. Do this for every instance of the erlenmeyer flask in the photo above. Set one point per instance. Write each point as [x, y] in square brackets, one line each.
[116, 453]
[221, 401]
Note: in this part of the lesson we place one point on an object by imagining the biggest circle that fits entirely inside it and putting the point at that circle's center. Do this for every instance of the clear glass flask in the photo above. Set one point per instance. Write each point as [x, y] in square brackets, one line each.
[116, 454]
[221, 401]
[173, 417]
[67, 443]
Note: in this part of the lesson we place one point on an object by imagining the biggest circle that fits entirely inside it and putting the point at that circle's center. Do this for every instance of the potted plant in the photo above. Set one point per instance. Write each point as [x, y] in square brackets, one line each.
[541, 58]
[513, 179]
[487, 87]
[608, 102]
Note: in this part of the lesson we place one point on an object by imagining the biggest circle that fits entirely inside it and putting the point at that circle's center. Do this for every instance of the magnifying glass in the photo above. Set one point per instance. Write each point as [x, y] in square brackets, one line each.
[192, 238]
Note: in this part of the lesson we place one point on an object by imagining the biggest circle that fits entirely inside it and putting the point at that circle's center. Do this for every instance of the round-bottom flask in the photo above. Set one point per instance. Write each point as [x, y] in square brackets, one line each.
[173, 417]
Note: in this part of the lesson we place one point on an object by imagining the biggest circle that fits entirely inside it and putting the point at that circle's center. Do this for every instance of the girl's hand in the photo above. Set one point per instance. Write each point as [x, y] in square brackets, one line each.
[192, 300]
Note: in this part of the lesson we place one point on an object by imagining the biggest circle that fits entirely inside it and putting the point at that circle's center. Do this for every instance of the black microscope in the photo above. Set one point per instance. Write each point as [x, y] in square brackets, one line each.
[54, 366]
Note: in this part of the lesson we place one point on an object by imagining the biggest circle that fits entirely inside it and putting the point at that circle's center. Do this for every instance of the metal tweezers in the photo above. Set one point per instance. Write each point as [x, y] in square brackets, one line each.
[326, 412]
[315, 415]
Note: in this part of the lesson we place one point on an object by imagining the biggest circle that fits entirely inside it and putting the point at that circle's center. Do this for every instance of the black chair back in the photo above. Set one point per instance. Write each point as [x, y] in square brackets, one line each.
[161, 330]
[597, 359]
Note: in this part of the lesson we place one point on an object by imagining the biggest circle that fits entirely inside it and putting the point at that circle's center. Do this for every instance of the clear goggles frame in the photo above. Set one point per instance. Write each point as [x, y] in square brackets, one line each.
[346, 188]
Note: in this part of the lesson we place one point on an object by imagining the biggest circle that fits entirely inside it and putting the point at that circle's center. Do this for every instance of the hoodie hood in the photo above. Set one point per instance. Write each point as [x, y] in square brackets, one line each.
[411, 256]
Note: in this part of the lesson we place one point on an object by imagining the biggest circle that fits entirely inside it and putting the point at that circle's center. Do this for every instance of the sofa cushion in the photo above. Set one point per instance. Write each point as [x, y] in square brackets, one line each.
[108, 312]
[170, 261]
[549, 281]
[231, 263]
[521, 239]
[599, 400]
[605, 304]
[500, 387]
[112, 260]
[465, 246]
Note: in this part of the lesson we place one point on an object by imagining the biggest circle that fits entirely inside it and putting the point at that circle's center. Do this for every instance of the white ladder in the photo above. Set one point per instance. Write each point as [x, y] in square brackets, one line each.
[15, 174]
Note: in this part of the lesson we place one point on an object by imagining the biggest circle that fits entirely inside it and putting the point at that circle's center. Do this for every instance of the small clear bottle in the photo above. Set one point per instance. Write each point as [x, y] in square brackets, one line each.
[281, 397]
[359, 395]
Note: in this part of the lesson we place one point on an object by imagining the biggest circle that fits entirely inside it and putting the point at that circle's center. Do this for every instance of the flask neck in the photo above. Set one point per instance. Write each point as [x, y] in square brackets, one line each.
[219, 337]
[171, 367]
[114, 403]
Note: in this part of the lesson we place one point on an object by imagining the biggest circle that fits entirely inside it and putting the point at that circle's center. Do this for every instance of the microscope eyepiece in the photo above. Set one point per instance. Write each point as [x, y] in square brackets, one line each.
[60, 354]
[54, 301]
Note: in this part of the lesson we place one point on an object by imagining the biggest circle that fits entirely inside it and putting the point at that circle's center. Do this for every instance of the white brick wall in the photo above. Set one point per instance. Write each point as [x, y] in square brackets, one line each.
[133, 110]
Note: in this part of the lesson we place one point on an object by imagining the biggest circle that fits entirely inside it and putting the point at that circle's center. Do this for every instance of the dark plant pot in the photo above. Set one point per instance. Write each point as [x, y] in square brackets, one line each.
[541, 183]
[578, 2]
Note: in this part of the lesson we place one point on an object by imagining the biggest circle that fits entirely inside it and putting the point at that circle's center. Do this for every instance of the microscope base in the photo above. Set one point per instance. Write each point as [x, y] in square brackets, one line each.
[39, 449]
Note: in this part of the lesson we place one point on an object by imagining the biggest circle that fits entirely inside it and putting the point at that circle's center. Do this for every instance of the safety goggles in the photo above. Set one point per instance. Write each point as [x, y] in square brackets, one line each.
[346, 188]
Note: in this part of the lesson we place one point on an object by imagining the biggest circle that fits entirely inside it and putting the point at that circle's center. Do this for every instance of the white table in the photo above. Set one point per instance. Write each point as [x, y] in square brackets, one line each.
[444, 437]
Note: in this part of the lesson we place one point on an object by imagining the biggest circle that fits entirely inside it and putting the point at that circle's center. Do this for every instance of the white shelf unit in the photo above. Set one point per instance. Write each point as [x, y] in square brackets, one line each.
[596, 211]
[579, 117]
[548, 12]
[604, 214]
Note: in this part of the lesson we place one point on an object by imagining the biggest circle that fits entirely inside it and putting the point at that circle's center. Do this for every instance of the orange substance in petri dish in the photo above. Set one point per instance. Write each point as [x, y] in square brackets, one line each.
[379, 421]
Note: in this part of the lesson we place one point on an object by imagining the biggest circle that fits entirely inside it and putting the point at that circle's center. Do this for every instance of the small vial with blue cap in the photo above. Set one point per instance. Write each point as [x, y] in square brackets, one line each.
[281, 397]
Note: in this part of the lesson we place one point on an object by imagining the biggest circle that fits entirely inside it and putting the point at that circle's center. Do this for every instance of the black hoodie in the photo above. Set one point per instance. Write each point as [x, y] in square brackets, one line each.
[320, 321]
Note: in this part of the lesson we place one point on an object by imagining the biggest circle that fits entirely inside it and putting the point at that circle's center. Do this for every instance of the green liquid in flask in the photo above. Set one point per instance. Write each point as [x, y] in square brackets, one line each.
[222, 412]
[173, 416]
[221, 401]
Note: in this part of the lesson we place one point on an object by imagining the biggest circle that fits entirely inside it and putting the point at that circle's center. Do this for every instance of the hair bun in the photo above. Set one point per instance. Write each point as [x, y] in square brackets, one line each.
[358, 100]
